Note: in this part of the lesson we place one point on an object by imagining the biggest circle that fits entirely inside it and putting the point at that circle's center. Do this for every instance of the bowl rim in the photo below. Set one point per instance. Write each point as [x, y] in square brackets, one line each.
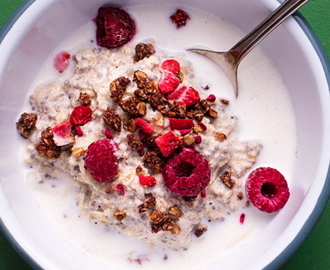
[324, 195]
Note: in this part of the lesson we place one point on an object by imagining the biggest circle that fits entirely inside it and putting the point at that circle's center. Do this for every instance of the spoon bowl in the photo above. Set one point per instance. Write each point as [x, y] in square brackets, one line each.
[229, 61]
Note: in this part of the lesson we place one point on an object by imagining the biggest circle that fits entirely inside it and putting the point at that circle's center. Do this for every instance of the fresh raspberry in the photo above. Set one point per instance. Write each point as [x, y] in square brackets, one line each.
[267, 189]
[145, 126]
[115, 27]
[180, 18]
[187, 174]
[170, 65]
[176, 123]
[62, 61]
[62, 134]
[81, 115]
[168, 82]
[168, 143]
[101, 160]
[148, 181]
[185, 95]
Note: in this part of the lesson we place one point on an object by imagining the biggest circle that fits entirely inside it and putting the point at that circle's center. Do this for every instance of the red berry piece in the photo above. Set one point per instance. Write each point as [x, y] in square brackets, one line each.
[180, 18]
[121, 189]
[108, 133]
[101, 160]
[168, 143]
[211, 98]
[79, 131]
[187, 174]
[148, 181]
[267, 189]
[242, 218]
[170, 65]
[81, 115]
[185, 95]
[145, 126]
[115, 27]
[62, 61]
[176, 123]
[168, 82]
[62, 134]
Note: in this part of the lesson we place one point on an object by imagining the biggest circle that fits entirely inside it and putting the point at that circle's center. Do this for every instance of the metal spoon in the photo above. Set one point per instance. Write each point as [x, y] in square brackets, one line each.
[230, 60]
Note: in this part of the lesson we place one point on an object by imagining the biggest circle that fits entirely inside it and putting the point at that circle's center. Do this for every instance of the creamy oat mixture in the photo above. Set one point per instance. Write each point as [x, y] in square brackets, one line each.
[124, 204]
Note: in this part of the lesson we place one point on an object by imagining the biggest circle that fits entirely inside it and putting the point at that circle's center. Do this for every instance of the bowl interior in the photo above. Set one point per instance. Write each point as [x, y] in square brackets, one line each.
[44, 26]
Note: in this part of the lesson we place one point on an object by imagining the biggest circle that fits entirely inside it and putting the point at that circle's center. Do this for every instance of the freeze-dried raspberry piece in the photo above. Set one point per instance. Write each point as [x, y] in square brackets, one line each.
[62, 61]
[144, 125]
[185, 95]
[101, 160]
[180, 18]
[62, 134]
[177, 123]
[168, 82]
[170, 65]
[81, 115]
[187, 174]
[115, 27]
[168, 143]
[267, 189]
[149, 181]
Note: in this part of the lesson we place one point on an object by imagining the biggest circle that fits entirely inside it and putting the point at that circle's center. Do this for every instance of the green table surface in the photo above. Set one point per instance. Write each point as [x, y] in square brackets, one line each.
[314, 253]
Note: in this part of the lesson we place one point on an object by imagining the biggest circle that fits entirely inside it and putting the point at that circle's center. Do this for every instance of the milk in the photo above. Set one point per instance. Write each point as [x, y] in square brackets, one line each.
[265, 114]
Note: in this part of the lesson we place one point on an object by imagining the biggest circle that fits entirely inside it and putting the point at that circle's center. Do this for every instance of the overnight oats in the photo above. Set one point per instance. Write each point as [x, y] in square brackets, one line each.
[153, 155]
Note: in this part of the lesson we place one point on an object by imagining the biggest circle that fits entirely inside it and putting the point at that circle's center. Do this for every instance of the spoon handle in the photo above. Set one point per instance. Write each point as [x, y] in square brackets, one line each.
[246, 44]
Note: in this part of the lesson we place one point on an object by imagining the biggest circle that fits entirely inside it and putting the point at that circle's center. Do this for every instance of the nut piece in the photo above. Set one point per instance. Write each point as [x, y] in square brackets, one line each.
[143, 50]
[112, 119]
[26, 124]
[200, 230]
[85, 99]
[119, 215]
[133, 107]
[158, 120]
[148, 204]
[156, 217]
[78, 152]
[118, 88]
[227, 180]
[175, 211]
[220, 136]
[46, 146]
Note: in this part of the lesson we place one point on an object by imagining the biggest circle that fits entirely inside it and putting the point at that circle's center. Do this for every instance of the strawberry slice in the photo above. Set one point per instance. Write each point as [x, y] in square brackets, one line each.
[145, 126]
[168, 82]
[185, 95]
[181, 123]
[168, 143]
[62, 61]
[170, 65]
[148, 181]
[62, 134]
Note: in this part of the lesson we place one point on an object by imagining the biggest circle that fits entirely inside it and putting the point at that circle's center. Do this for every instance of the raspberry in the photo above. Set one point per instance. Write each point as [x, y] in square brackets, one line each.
[185, 95]
[115, 27]
[267, 189]
[187, 174]
[121, 188]
[62, 134]
[81, 115]
[101, 160]
[181, 123]
[211, 98]
[170, 65]
[148, 181]
[168, 143]
[168, 82]
[144, 125]
[79, 131]
[61, 61]
[180, 18]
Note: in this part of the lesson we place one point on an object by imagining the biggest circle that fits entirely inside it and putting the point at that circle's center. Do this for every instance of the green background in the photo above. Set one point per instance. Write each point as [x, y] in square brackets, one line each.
[314, 254]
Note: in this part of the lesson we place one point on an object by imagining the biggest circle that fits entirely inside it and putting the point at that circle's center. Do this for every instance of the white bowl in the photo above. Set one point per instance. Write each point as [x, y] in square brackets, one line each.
[39, 27]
